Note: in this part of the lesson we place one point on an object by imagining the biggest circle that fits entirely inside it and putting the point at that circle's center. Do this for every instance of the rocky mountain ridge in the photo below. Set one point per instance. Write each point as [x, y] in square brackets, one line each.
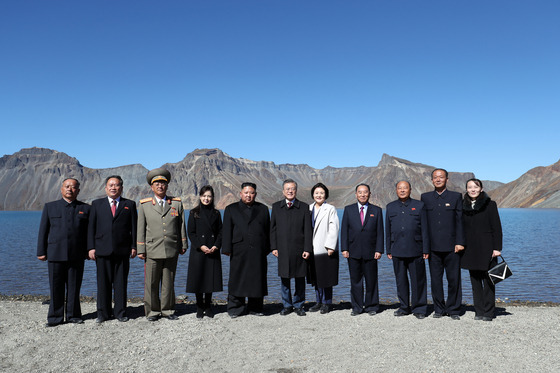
[33, 176]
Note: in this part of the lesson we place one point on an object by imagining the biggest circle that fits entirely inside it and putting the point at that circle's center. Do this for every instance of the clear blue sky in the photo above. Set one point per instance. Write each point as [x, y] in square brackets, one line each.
[465, 85]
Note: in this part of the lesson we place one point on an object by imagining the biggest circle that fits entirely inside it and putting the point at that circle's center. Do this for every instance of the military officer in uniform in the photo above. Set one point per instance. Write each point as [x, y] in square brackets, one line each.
[408, 246]
[161, 238]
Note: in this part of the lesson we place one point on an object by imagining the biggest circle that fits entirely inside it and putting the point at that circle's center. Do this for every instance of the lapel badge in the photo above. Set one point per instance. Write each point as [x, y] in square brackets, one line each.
[447, 205]
[80, 212]
[126, 207]
[371, 215]
[414, 209]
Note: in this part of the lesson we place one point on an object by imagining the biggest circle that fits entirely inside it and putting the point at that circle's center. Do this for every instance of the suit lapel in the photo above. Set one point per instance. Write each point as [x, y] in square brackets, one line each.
[320, 215]
[166, 206]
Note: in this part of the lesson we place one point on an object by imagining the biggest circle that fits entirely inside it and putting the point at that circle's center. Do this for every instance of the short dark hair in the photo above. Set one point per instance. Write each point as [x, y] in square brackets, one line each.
[322, 186]
[440, 169]
[363, 184]
[476, 181]
[72, 178]
[406, 181]
[249, 184]
[114, 177]
[288, 181]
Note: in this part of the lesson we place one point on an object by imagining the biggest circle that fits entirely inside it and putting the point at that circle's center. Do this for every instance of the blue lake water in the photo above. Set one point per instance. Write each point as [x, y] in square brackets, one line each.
[531, 248]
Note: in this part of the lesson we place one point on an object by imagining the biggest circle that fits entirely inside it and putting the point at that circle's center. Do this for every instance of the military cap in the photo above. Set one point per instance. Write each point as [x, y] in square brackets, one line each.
[158, 174]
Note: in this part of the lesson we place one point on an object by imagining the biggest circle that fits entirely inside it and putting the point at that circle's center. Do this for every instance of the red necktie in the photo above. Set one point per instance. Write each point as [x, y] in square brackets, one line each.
[289, 204]
[114, 207]
[362, 214]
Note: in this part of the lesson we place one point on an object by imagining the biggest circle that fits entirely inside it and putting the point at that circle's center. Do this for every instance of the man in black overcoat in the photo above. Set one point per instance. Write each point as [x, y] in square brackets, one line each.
[408, 246]
[291, 241]
[246, 240]
[63, 242]
[445, 214]
[361, 242]
[111, 243]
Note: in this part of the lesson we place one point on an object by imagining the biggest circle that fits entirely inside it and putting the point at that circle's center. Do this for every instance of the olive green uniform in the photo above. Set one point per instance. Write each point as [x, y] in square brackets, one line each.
[161, 237]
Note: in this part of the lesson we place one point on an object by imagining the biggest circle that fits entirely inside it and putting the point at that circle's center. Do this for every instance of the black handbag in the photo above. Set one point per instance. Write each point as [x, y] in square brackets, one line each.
[499, 272]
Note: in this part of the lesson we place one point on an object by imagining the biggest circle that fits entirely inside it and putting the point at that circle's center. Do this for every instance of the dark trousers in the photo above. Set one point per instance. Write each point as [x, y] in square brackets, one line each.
[203, 300]
[361, 269]
[484, 294]
[324, 295]
[112, 275]
[236, 305]
[299, 294]
[416, 268]
[449, 262]
[160, 271]
[65, 279]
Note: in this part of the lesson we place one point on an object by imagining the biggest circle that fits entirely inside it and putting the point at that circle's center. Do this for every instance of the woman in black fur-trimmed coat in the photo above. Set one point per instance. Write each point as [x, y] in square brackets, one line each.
[483, 233]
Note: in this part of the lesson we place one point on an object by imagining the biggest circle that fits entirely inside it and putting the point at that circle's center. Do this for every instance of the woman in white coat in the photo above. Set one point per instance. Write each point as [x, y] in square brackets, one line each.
[324, 266]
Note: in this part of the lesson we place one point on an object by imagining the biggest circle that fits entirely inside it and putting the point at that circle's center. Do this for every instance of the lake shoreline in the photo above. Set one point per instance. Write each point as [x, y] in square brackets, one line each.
[188, 301]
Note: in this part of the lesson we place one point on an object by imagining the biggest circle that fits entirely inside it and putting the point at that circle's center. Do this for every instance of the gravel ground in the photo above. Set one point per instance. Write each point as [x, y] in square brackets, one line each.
[521, 338]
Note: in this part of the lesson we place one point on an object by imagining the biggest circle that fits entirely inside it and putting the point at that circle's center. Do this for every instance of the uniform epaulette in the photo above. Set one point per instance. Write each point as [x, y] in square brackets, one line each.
[146, 200]
[176, 199]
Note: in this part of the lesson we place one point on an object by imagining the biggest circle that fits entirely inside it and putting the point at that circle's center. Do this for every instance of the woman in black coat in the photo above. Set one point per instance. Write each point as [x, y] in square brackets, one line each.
[204, 228]
[483, 232]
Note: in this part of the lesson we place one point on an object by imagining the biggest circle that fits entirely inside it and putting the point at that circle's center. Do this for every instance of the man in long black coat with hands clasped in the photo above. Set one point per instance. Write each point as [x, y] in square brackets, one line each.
[246, 240]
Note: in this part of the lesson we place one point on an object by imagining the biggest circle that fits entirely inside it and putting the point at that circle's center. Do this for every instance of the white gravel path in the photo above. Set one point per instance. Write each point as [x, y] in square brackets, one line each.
[521, 339]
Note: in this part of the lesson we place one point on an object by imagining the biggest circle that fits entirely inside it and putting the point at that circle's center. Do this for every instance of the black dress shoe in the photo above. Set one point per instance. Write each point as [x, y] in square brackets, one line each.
[100, 320]
[76, 320]
[123, 319]
[316, 307]
[478, 318]
[354, 313]
[172, 317]
[152, 318]
[234, 316]
[372, 313]
[325, 308]
[486, 318]
[286, 311]
[300, 311]
[199, 313]
[419, 316]
[209, 313]
[437, 315]
[455, 317]
[400, 312]
[256, 313]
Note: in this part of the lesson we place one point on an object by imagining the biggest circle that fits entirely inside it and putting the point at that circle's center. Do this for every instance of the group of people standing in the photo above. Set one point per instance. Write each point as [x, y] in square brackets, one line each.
[447, 230]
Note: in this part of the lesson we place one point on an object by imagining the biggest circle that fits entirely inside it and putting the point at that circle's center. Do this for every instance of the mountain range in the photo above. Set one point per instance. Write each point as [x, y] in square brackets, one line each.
[32, 176]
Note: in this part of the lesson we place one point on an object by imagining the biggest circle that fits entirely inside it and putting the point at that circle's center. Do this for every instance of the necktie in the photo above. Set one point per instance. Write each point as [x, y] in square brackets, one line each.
[362, 214]
[161, 205]
[289, 204]
[114, 207]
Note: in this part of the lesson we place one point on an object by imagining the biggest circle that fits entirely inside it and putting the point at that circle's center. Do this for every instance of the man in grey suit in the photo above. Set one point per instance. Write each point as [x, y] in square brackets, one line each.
[161, 238]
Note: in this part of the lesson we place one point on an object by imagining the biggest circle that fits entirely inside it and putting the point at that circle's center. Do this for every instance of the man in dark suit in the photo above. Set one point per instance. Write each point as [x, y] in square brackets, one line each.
[246, 240]
[361, 236]
[291, 241]
[63, 242]
[445, 211]
[111, 242]
[406, 232]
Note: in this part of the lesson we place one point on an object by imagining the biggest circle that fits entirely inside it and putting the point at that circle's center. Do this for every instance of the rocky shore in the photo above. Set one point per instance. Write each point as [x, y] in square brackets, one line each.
[524, 337]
